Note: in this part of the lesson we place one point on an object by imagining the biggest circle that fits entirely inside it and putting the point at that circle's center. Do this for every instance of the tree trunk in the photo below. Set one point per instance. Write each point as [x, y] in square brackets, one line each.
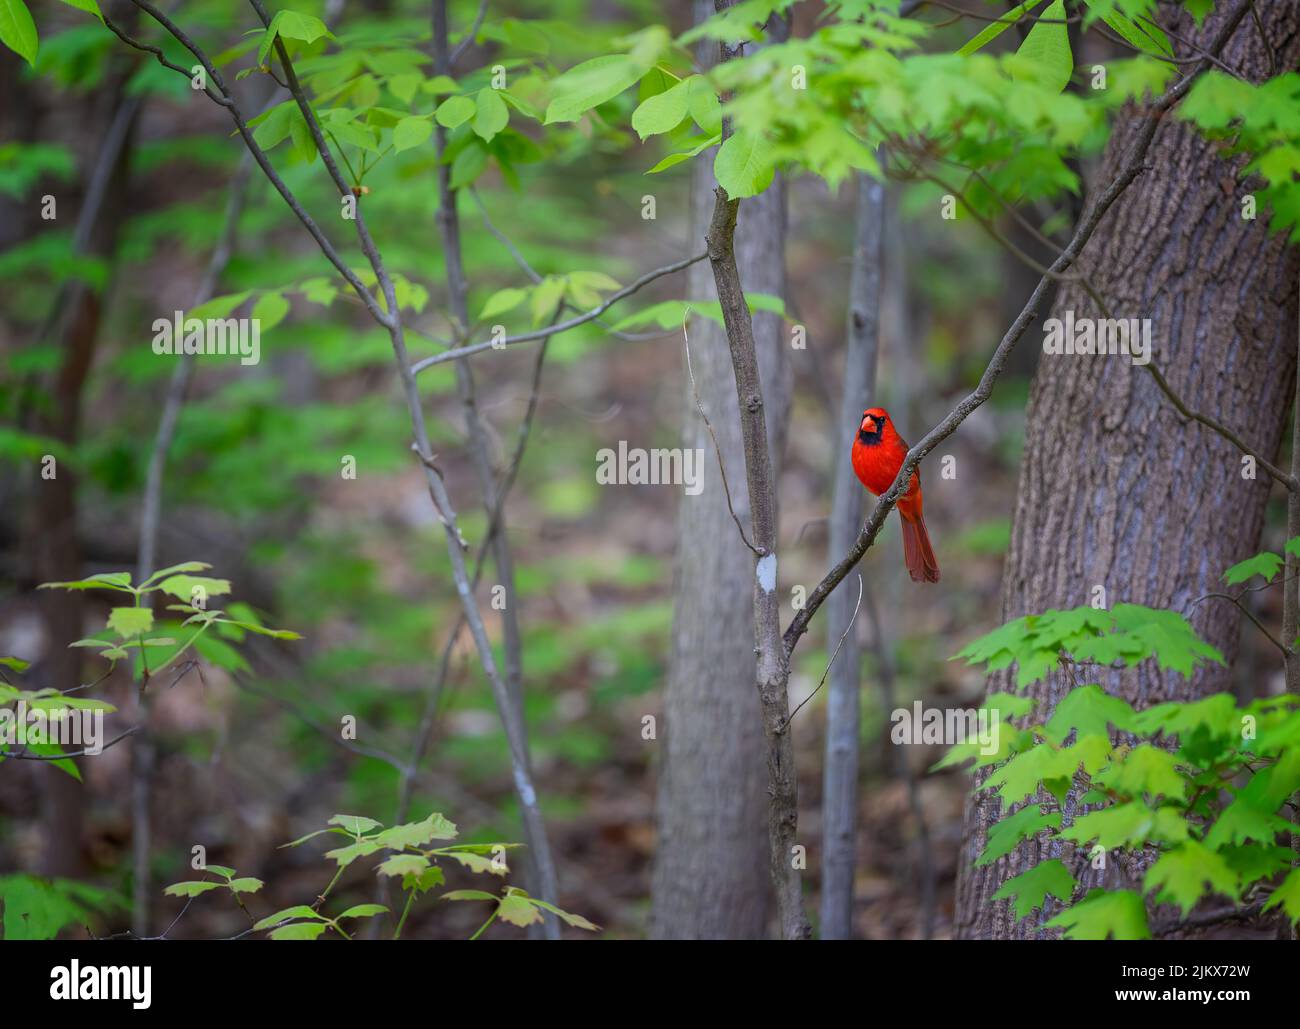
[843, 711]
[1114, 483]
[711, 873]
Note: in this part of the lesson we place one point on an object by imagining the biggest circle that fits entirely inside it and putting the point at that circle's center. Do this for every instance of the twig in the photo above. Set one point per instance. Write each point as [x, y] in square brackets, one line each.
[525, 337]
[468, 41]
[695, 390]
[847, 629]
[19, 755]
[540, 861]
[518, 257]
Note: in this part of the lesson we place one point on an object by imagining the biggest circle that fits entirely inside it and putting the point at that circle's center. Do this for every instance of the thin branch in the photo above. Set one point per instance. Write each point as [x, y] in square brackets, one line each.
[847, 629]
[1290, 482]
[518, 257]
[21, 755]
[1286, 654]
[541, 877]
[259, 155]
[572, 323]
[468, 41]
[699, 406]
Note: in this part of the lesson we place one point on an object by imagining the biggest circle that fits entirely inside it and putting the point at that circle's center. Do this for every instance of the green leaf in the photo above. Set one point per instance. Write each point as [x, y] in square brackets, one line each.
[468, 165]
[354, 824]
[1145, 770]
[191, 889]
[502, 301]
[1144, 36]
[491, 114]
[1030, 889]
[304, 143]
[546, 298]
[403, 865]
[183, 587]
[1047, 48]
[291, 25]
[130, 621]
[297, 911]
[273, 127]
[1088, 709]
[1181, 874]
[1020, 777]
[664, 111]
[410, 133]
[1252, 862]
[577, 921]
[1104, 915]
[1240, 822]
[468, 895]
[1132, 824]
[120, 581]
[364, 911]
[246, 885]
[191, 566]
[269, 311]
[1004, 835]
[17, 30]
[455, 110]
[17, 663]
[89, 6]
[518, 909]
[415, 834]
[299, 931]
[672, 160]
[743, 165]
[704, 105]
[995, 29]
[590, 84]
[1267, 564]
[346, 855]
[1287, 896]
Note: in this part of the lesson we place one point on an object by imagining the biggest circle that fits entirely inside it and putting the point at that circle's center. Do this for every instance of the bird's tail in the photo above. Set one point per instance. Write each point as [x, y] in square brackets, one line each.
[917, 552]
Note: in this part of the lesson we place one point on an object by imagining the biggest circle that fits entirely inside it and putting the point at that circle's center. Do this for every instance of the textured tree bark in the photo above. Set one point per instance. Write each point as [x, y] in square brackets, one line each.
[843, 716]
[1116, 489]
[711, 878]
[51, 526]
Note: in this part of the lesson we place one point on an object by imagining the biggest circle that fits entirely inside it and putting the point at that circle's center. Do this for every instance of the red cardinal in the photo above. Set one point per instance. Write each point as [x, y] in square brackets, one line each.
[878, 454]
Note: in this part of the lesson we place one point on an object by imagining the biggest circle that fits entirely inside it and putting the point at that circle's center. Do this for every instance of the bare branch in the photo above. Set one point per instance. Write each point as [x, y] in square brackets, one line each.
[695, 390]
[19, 755]
[572, 323]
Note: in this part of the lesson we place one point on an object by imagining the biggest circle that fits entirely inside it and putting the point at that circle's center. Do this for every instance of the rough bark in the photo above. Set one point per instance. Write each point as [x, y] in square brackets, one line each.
[51, 530]
[710, 878]
[1116, 489]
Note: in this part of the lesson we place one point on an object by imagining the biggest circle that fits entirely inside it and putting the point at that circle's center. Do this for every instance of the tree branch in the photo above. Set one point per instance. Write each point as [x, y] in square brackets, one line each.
[457, 353]
[1133, 167]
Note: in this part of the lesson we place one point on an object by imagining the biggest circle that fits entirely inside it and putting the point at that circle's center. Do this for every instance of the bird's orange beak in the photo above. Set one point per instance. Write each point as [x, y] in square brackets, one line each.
[868, 424]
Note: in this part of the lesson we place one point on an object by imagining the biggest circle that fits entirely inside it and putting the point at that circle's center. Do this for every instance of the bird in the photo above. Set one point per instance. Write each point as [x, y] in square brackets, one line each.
[878, 453]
